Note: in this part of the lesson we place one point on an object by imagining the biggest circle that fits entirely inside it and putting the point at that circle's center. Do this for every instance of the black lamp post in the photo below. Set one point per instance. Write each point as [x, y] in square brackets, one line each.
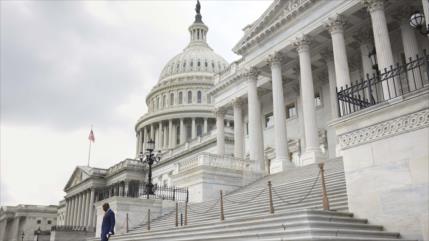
[22, 236]
[373, 57]
[417, 20]
[149, 158]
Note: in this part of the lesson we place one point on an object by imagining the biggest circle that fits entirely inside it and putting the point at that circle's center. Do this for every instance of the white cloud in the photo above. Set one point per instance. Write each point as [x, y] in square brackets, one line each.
[68, 64]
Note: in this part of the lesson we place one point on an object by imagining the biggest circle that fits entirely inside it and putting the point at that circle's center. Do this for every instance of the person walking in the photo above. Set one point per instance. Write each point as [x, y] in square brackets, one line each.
[108, 225]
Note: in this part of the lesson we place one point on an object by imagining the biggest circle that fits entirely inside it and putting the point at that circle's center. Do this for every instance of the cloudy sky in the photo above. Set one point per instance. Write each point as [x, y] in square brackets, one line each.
[67, 65]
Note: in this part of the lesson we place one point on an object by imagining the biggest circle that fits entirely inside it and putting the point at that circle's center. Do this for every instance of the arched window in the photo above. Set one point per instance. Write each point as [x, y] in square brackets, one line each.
[164, 101]
[199, 97]
[157, 103]
[189, 97]
[171, 98]
[180, 98]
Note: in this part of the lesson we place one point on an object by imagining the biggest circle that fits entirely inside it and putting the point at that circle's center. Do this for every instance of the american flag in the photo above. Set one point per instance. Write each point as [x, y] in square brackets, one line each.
[91, 136]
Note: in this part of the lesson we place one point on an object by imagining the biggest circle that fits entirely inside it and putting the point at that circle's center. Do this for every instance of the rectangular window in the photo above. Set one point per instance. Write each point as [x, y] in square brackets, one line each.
[291, 111]
[269, 120]
[317, 99]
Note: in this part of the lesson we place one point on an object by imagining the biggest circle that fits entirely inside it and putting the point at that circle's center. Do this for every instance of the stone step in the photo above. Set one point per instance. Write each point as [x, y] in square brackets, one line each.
[315, 204]
[284, 217]
[293, 224]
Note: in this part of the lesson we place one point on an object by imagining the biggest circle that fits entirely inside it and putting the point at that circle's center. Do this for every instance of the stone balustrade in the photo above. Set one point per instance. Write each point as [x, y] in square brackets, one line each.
[212, 160]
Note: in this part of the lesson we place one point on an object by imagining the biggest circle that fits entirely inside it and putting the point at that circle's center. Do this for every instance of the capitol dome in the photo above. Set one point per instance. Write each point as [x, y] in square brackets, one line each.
[196, 57]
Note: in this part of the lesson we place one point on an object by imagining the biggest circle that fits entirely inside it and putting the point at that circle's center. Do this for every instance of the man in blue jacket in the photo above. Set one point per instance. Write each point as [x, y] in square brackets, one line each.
[108, 225]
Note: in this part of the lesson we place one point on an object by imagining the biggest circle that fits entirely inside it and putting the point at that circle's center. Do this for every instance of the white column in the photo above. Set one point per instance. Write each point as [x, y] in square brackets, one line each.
[220, 131]
[160, 140]
[194, 129]
[425, 4]
[312, 152]
[411, 50]
[238, 128]
[66, 219]
[79, 210]
[170, 134]
[256, 143]
[85, 220]
[15, 228]
[382, 42]
[138, 144]
[143, 139]
[279, 113]
[91, 208]
[152, 132]
[3, 225]
[342, 73]
[206, 130]
[327, 57]
[182, 131]
[73, 214]
[165, 132]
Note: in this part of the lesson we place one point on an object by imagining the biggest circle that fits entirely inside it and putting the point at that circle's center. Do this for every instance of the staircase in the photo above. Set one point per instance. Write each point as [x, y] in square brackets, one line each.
[298, 214]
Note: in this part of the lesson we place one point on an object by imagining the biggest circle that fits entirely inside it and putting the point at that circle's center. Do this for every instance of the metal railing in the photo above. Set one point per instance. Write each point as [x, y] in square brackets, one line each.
[138, 190]
[384, 85]
[66, 228]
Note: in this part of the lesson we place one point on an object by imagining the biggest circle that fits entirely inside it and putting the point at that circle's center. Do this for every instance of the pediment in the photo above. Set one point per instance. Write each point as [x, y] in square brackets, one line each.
[277, 14]
[79, 175]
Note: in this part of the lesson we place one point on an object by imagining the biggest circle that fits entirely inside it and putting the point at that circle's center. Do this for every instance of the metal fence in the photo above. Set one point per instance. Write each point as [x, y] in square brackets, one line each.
[391, 83]
[138, 190]
[66, 228]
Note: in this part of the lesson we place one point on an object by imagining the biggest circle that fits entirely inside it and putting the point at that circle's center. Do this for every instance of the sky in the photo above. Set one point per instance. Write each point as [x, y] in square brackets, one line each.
[68, 65]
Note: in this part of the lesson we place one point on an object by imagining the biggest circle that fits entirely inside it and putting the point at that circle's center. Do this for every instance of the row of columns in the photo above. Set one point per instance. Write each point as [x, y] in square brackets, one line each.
[165, 135]
[80, 210]
[338, 74]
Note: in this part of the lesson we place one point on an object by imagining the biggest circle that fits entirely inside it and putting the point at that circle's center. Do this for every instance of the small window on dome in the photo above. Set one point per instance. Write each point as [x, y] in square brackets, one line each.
[199, 64]
[171, 98]
[189, 97]
[178, 66]
[206, 64]
[192, 63]
[199, 97]
[213, 65]
[184, 64]
[180, 97]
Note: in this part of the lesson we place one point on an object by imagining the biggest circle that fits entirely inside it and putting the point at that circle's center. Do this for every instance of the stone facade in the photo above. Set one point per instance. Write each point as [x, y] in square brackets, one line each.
[20, 222]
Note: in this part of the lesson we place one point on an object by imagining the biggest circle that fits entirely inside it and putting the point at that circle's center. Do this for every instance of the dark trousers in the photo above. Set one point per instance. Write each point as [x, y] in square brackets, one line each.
[103, 238]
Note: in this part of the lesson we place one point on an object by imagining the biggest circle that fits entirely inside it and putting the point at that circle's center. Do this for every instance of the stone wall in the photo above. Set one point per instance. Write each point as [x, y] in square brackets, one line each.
[70, 235]
[385, 153]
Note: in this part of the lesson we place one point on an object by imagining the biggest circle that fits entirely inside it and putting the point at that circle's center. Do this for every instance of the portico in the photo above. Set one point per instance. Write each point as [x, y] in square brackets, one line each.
[286, 62]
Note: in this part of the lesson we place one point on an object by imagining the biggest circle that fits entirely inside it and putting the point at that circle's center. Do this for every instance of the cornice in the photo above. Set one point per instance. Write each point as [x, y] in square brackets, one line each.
[291, 10]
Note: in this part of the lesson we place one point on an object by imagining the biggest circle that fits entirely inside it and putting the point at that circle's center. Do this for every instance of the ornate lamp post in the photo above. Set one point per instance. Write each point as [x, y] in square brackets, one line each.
[373, 57]
[22, 236]
[417, 20]
[150, 158]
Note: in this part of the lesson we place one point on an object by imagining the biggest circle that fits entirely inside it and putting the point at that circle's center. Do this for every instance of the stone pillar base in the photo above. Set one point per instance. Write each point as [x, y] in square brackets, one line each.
[136, 208]
[312, 156]
[281, 165]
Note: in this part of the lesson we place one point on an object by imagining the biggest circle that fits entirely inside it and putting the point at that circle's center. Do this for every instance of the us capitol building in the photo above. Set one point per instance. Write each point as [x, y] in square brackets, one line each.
[318, 81]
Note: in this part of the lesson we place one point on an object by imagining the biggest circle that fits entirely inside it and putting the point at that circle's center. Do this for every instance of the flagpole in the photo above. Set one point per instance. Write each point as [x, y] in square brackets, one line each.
[89, 152]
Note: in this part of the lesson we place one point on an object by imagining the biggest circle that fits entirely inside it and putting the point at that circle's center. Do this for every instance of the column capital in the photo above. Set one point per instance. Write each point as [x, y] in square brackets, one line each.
[335, 24]
[302, 44]
[219, 111]
[373, 5]
[252, 73]
[237, 102]
[274, 59]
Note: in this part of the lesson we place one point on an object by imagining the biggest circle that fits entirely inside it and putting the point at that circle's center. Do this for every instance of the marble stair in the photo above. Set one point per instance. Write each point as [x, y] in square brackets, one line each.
[298, 213]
